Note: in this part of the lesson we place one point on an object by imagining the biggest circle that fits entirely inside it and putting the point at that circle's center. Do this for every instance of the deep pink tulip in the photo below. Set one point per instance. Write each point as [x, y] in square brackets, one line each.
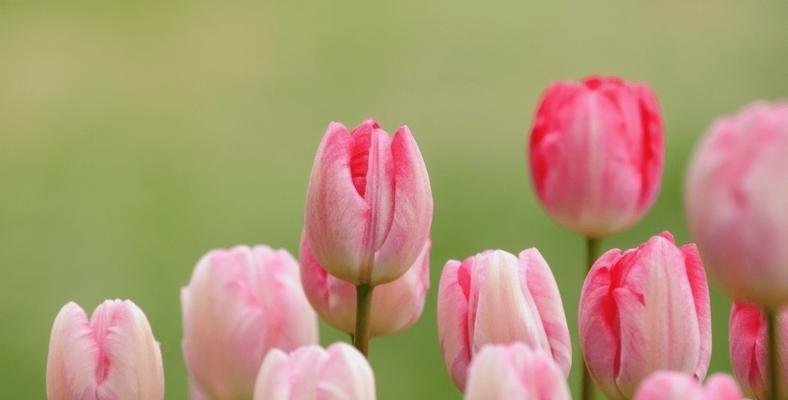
[736, 200]
[339, 372]
[672, 385]
[239, 304]
[643, 310]
[395, 305]
[515, 372]
[369, 203]
[596, 153]
[749, 348]
[496, 298]
[113, 355]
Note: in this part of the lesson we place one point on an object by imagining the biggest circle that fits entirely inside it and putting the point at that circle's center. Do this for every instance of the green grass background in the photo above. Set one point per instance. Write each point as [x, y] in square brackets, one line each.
[135, 136]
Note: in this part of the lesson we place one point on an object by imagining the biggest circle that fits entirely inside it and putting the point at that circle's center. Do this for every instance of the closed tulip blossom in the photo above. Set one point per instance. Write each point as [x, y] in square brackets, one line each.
[596, 154]
[515, 372]
[338, 372]
[239, 304]
[671, 385]
[749, 348]
[369, 203]
[111, 355]
[643, 310]
[497, 298]
[396, 305]
[736, 198]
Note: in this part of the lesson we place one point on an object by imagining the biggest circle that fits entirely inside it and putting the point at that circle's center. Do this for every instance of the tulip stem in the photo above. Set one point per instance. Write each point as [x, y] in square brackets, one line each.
[363, 307]
[586, 384]
[774, 387]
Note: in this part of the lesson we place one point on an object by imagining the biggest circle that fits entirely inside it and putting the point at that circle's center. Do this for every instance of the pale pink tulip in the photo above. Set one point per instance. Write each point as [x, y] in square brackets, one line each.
[339, 372]
[596, 153]
[515, 372]
[672, 385]
[395, 305]
[369, 203]
[643, 310]
[496, 298]
[736, 197]
[241, 303]
[749, 348]
[113, 355]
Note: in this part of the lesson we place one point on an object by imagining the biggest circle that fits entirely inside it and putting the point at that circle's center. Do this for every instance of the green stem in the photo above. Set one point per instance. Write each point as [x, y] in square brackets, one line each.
[586, 384]
[774, 387]
[363, 307]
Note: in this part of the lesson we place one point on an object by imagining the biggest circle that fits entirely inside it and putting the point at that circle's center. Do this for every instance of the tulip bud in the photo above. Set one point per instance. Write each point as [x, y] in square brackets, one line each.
[515, 371]
[596, 154]
[339, 372]
[749, 348]
[496, 298]
[369, 203]
[643, 310]
[671, 385]
[737, 202]
[112, 355]
[239, 304]
[395, 305]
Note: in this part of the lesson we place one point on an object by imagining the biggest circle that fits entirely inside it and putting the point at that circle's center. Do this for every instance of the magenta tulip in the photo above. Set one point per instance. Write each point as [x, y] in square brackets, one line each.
[339, 372]
[515, 372]
[395, 305]
[112, 355]
[596, 154]
[369, 203]
[737, 202]
[496, 298]
[241, 303]
[643, 310]
[671, 385]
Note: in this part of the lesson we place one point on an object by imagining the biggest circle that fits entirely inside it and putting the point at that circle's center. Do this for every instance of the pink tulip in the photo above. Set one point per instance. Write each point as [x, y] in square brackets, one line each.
[644, 310]
[515, 372]
[369, 203]
[239, 304]
[749, 348]
[395, 305]
[113, 355]
[339, 372]
[671, 385]
[596, 154]
[736, 197]
[496, 298]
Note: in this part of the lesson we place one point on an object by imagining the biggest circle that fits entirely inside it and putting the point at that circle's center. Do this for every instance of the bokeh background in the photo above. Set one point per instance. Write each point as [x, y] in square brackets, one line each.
[135, 136]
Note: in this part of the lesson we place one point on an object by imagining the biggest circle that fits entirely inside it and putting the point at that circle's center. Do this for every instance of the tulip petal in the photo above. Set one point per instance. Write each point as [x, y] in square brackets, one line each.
[453, 330]
[73, 356]
[700, 293]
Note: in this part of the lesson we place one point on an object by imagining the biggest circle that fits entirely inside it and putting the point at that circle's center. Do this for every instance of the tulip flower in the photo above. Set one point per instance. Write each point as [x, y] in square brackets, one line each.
[671, 385]
[643, 310]
[241, 303]
[515, 372]
[496, 298]
[736, 196]
[596, 154]
[111, 355]
[396, 305]
[749, 348]
[369, 203]
[339, 372]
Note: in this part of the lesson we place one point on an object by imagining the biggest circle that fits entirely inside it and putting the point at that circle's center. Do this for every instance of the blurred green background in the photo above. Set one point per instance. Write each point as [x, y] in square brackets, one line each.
[135, 136]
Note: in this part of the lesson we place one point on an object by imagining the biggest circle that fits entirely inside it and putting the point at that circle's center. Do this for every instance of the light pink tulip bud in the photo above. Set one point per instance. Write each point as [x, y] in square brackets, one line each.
[515, 372]
[749, 348]
[496, 298]
[643, 310]
[369, 203]
[113, 355]
[395, 305]
[241, 303]
[736, 198]
[596, 154]
[672, 385]
[339, 372]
